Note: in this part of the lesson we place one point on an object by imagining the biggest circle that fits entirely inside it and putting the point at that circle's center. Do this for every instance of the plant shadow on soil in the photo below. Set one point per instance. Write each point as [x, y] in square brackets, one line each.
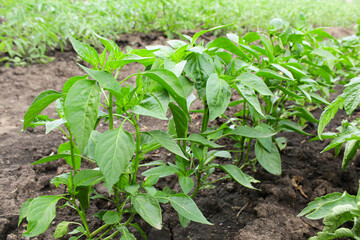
[236, 212]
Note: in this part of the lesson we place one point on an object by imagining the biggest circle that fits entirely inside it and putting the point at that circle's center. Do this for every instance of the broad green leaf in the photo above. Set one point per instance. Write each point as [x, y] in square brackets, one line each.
[114, 150]
[167, 142]
[43, 100]
[227, 44]
[65, 148]
[283, 70]
[180, 120]
[329, 113]
[148, 208]
[186, 207]
[289, 92]
[255, 83]
[87, 53]
[305, 114]
[198, 34]
[83, 195]
[54, 124]
[61, 179]
[61, 229]
[24, 210]
[81, 110]
[329, 57]
[198, 68]
[268, 47]
[88, 178]
[249, 95]
[186, 184]
[69, 83]
[126, 235]
[105, 79]
[218, 93]
[161, 171]
[352, 95]
[271, 74]
[90, 148]
[250, 132]
[270, 161]
[51, 158]
[111, 217]
[317, 98]
[41, 212]
[351, 148]
[172, 84]
[326, 208]
[153, 106]
[340, 139]
[133, 188]
[183, 221]
[287, 124]
[110, 45]
[197, 138]
[236, 174]
[322, 33]
[318, 202]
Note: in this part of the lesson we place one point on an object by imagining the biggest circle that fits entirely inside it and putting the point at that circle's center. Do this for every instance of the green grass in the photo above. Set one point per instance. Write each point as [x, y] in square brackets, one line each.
[31, 27]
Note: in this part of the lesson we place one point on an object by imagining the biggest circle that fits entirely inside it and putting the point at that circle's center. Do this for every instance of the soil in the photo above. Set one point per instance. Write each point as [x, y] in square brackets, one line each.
[236, 212]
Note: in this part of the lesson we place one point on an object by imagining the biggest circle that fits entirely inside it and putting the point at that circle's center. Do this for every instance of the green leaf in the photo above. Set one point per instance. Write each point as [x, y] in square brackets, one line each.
[161, 171]
[236, 174]
[329, 57]
[61, 179]
[249, 95]
[218, 93]
[126, 235]
[186, 184]
[41, 212]
[180, 120]
[255, 83]
[227, 44]
[167, 142]
[250, 132]
[88, 178]
[351, 148]
[111, 217]
[271, 74]
[183, 221]
[283, 70]
[24, 210]
[51, 158]
[54, 124]
[270, 161]
[186, 207]
[87, 53]
[83, 195]
[268, 47]
[197, 138]
[326, 208]
[105, 79]
[287, 124]
[352, 95]
[69, 83]
[305, 114]
[90, 148]
[172, 84]
[66, 147]
[329, 113]
[81, 110]
[318, 202]
[198, 34]
[198, 68]
[43, 100]
[148, 208]
[153, 106]
[114, 150]
[61, 229]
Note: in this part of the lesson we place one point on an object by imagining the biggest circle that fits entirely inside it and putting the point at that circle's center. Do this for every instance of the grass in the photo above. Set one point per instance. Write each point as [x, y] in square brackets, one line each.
[29, 28]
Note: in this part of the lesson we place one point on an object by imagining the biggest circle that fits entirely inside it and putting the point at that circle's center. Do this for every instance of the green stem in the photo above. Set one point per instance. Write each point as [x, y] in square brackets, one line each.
[248, 150]
[100, 229]
[72, 153]
[198, 184]
[137, 150]
[205, 120]
[242, 139]
[111, 116]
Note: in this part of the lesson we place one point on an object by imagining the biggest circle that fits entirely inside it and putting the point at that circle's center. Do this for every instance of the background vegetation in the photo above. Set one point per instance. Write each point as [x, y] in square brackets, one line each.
[29, 28]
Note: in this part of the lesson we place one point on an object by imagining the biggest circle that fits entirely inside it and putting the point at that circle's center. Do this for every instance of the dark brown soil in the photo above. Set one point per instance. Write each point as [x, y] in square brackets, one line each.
[236, 212]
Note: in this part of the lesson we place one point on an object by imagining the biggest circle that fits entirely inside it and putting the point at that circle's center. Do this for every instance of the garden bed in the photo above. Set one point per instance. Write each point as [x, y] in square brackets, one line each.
[236, 212]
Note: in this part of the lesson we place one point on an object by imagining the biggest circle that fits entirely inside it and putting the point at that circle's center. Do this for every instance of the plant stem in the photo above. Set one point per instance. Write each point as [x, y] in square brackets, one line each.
[242, 139]
[100, 229]
[111, 116]
[205, 120]
[137, 150]
[198, 184]
[72, 153]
